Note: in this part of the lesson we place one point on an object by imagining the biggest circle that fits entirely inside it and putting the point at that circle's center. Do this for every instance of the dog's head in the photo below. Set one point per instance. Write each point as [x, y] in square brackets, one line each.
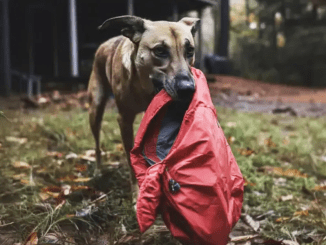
[165, 52]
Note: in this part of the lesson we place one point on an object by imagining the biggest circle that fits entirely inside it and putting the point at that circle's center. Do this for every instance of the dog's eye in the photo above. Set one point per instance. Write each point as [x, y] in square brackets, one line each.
[190, 52]
[161, 52]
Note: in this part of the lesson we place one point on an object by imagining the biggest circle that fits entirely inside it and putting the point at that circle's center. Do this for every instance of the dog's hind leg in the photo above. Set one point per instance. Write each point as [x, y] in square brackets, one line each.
[98, 96]
[126, 121]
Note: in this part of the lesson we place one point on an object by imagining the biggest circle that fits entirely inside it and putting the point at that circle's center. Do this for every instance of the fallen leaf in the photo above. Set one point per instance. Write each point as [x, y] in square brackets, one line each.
[319, 188]
[42, 170]
[282, 219]
[286, 198]
[90, 153]
[71, 156]
[32, 239]
[67, 178]
[81, 167]
[243, 238]
[231, 124]
[253, 224]
[280, 171]
[119, 147]
[301, 213]
[88, 158]
[51, 189]
[230, 140]
[66, 189]
[78, 180]
[268, 142]
[19, 176]
[79, 187]
[286, 141]
[60, 205]
[54, 154]
[246, 152]
[22, 165]
[16, 140]
[44, 196]
[289, 242]
[246, 183]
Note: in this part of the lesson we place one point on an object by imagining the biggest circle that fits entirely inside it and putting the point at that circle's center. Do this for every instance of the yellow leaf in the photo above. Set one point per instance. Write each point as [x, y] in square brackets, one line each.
[16, 140]
[268, 142]
[119, 147]
[32, 239]
[301, 213]
[282, 219]
[20, 164]
[320, 188]
[82, 180]
[19, 176]
[246, 152]
[44, 196]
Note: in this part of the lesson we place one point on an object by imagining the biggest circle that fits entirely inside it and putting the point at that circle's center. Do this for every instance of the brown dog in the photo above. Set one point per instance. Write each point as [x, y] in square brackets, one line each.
[150, 55]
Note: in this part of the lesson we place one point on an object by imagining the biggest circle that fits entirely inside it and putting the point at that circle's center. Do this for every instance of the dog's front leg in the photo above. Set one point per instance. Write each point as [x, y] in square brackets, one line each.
[127, 133]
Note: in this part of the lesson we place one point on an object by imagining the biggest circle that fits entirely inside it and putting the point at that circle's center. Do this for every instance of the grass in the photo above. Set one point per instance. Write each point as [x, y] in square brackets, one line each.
[282, 158]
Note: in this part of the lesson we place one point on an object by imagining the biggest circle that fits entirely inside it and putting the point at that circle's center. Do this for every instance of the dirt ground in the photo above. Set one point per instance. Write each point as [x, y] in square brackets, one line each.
[248, 95]
[267, 91]
[255, 96]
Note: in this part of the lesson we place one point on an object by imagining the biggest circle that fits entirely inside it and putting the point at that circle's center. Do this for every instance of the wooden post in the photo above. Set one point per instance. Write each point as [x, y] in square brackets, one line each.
[55, 44]
[225, 22]
[6, 49]
[73, 38]
[131, 7]
[175, 11]
[200, 40]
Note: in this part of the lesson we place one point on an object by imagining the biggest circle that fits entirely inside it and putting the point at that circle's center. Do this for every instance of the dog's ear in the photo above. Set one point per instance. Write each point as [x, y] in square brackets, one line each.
[131, 26]
[191, 22]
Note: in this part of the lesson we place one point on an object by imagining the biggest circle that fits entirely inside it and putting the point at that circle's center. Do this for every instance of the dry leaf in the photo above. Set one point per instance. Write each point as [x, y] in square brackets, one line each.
[119, 147]
[71, 156]
[253, 224]
[44, 196]
[16, 140]
[19, 176]
[268, 142]
[280, 171]
[301, 213]
[79, 187]
[246, 183]
[319, 188]
[42, 170]
[78, 180]
[25, 182]
[286, 141]
[32, 239]
[230, 140]
[231, 124]
[286, 198]
[68, 178]
[88, 158]
[60, 205]
[246, 152]
[22, 165]
[243, 238]
[54, 154]
[282, 219]
[81, 167]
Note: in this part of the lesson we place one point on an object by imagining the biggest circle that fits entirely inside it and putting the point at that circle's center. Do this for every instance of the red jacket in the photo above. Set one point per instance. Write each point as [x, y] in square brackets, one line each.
[195, 183]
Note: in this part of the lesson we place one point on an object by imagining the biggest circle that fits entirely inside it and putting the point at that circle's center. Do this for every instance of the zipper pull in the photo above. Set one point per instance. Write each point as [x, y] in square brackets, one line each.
[174, 186]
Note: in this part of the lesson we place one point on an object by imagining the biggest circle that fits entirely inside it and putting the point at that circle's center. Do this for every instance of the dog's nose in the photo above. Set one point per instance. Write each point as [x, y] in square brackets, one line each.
[185, 86]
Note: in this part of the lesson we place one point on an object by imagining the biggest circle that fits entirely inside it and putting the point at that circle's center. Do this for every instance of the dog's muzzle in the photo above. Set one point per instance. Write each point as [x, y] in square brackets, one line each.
[181, 87]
